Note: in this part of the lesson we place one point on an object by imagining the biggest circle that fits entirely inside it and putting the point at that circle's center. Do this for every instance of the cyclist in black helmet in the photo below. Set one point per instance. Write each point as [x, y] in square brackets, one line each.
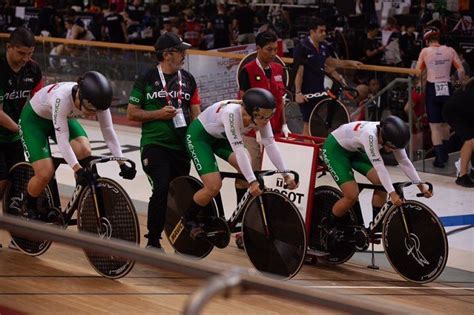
[51, 113]
[356, 146]
[218, 130]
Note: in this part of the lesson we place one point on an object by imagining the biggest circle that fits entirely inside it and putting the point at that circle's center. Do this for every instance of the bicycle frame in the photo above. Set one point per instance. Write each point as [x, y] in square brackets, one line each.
[388, 204]
[72, 204]
[234, 218]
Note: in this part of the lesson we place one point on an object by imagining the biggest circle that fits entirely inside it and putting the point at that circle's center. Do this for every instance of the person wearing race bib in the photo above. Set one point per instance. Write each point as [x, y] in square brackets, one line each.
[51, 113]
[356, 146]
[20, 78]
[218, 130]
[438, 59]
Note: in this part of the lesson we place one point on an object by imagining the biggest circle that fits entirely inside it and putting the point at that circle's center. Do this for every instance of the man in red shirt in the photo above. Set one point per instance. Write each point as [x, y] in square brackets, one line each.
[263, 72]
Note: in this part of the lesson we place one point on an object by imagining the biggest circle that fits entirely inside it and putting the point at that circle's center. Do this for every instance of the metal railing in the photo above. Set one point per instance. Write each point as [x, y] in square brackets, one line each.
[223, 277]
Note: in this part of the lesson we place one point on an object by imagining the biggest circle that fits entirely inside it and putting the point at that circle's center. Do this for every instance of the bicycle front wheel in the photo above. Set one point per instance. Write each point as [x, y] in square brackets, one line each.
[118, 219]
[327, 116]
[13, 200]
[279, 249]
[421, 254]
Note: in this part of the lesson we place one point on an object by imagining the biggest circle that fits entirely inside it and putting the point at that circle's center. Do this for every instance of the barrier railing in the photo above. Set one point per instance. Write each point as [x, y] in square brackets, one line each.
[215, 71]
[223, 277]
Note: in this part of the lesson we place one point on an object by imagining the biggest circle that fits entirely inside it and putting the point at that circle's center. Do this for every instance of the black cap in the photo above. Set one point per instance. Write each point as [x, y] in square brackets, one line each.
[170, 40]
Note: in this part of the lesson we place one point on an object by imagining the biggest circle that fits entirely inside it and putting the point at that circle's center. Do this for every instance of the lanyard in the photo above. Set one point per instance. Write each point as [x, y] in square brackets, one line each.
[180, 87]
[264, 74]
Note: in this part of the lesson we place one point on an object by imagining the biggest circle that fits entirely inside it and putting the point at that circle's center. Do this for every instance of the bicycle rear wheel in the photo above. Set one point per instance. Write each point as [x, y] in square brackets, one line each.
[281, 249]
[423, 256]
[180, 194]
[326, 116]
[118, 220]
[13, 200]
[324, 199]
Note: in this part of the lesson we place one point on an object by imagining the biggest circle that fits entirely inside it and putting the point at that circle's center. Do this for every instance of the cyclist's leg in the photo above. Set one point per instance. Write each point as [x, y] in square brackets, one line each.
[200, 146]
[34, 132]
[362, 165]
[338, 162]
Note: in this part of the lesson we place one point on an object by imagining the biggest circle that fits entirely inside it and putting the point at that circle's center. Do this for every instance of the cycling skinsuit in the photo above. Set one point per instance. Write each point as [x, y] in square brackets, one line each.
[50, 113]
[313, 60]
[438, 60]
[219, 130]
[355, 146]
[15, 89]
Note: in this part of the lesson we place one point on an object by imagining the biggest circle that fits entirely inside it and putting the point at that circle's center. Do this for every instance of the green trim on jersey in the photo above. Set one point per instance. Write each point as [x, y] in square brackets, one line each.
[202, 146]
[35, 132]
[341, 162]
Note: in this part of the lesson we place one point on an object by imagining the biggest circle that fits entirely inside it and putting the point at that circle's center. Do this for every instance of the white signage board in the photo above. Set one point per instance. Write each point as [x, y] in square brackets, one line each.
[301, 158]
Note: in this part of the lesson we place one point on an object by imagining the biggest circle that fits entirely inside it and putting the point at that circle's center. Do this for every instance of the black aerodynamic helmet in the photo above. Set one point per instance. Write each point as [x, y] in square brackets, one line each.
[395, 132]
[256, 98]
[95, 88]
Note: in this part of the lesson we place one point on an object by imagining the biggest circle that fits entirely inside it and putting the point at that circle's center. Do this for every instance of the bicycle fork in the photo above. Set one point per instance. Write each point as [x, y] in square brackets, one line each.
[264, 217]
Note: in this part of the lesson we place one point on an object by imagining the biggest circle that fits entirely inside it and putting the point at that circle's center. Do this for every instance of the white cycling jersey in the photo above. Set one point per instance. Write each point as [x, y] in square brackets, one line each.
[54, 102]
[224, 120]
[362, 136]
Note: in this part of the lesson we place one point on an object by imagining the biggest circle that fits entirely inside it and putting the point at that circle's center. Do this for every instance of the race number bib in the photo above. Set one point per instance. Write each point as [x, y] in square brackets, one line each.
[441, 89]
[179, 121]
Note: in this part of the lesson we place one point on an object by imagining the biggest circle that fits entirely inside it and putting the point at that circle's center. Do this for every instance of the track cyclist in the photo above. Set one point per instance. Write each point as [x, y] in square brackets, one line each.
[219, 130]
[355, 146]
[51, 113]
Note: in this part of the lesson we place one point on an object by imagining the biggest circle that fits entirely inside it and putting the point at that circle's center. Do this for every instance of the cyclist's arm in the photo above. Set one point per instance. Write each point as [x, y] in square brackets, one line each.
[406, 166]
[61, 129]
[231, 120]
[107, 128]
[370, 144]
[268, 141]
[458, 65]
[420, 64]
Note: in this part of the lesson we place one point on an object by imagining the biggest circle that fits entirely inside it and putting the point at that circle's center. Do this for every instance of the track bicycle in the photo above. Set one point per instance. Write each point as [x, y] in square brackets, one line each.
[413, 237]
[274, 234]
[103, 208]
[330, 112]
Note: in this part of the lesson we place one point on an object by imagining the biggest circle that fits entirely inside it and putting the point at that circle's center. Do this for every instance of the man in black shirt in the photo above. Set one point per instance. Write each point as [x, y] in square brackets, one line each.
[114, 26]
[20, 78]
[244, 21]
[221, 28]
[373, 50]
[409, 47]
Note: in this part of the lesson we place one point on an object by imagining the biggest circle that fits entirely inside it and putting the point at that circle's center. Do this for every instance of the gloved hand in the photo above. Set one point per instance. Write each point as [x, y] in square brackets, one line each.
[84, 177]
[127, 172]
[285, 130]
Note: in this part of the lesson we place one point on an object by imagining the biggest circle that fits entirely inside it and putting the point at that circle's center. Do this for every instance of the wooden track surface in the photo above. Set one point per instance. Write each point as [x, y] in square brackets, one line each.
[62, 281]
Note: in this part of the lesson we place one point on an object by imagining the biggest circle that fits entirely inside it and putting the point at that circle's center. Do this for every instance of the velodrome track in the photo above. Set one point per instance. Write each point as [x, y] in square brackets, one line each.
[62, 281]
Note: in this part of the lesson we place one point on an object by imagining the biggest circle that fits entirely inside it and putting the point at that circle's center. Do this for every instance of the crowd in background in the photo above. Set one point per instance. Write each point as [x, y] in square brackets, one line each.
[368, 35]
